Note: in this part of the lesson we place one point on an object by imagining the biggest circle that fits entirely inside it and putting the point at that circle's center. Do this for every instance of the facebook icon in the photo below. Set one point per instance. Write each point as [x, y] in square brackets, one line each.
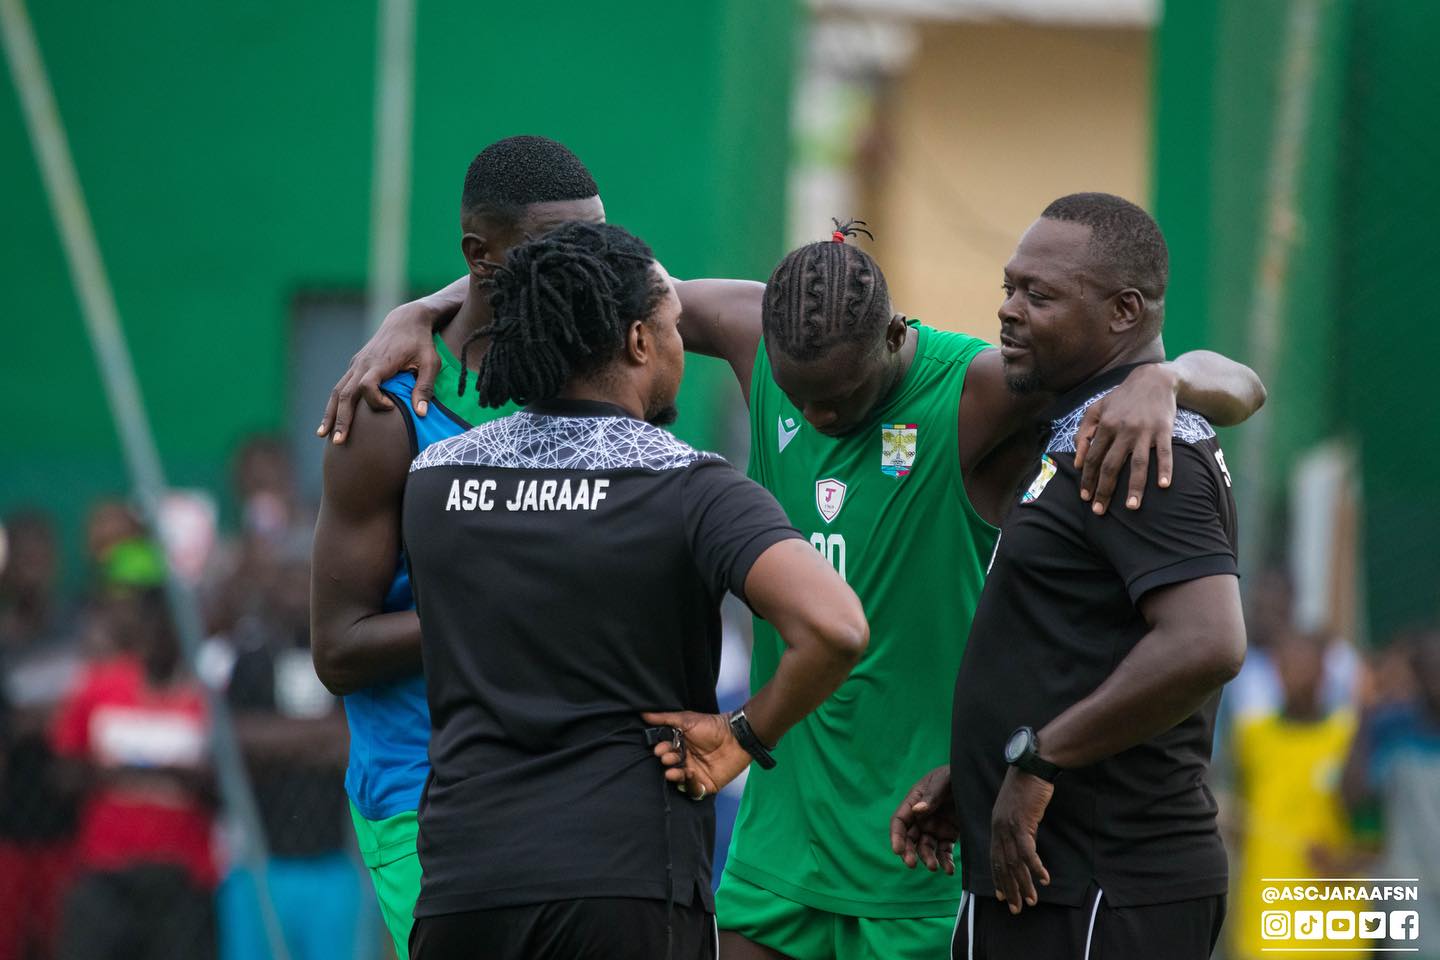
[1404, 925]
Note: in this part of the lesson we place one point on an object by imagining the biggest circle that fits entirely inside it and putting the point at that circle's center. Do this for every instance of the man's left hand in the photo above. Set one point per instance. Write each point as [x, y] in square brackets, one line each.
[1015, 866]
[711, 757]
[1126, 424]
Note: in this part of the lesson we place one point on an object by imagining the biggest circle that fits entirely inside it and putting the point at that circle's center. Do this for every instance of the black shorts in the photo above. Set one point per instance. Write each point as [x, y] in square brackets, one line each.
[1185, 930]
[603, 928]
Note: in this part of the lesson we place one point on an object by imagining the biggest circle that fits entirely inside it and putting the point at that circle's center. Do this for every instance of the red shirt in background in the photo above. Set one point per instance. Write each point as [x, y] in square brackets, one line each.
[114, 718]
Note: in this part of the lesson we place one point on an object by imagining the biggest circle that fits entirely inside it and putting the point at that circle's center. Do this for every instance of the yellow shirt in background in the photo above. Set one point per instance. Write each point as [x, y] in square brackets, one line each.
[1288, 779]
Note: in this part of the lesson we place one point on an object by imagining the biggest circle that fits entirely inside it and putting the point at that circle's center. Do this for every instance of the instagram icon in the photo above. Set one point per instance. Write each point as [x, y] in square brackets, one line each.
[1275, 925]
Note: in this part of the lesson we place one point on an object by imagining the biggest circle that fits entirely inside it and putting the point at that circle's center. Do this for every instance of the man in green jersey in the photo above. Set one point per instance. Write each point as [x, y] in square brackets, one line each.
[893, 448]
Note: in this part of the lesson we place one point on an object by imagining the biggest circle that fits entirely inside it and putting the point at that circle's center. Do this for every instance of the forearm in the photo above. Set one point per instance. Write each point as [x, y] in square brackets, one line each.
[367, 650]
[1218, 388]
[809, 671]
[801, 683]
[1162, 681]
[823, 627]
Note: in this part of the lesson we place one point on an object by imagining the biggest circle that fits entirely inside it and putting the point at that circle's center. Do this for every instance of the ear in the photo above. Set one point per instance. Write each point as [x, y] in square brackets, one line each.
[895, 333]
[1128, 310]
[639, 343]
[477, 251]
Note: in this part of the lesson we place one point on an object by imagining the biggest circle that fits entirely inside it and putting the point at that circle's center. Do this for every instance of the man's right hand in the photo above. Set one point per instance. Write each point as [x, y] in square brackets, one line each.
[924, 828]
[403, 342]
[712, 756]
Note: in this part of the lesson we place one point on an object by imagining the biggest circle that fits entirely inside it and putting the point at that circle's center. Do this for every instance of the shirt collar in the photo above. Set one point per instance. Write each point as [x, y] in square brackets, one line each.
[565, 407]
[1076, 396]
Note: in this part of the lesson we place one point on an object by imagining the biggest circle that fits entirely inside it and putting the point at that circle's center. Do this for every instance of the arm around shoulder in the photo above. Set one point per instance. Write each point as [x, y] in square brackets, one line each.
[722, 319]
[1223, 391]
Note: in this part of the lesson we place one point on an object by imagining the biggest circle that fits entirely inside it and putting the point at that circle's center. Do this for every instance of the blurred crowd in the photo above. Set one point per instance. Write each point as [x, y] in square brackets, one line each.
[1327, 763]
[113, 843]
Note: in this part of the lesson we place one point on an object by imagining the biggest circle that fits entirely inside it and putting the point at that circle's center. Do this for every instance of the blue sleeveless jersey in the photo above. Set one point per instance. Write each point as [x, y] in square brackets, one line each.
[390, 723]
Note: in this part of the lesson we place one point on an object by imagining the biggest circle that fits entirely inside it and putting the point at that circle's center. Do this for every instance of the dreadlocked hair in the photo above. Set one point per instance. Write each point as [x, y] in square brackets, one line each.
[825, 293]
[561, 306]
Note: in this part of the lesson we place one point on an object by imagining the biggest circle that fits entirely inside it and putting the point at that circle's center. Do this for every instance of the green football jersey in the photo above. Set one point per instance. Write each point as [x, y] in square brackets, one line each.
[887, 506]
[465, 406]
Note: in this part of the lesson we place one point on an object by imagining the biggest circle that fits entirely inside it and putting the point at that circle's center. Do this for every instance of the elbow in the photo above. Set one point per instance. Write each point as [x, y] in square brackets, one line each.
[847, 636]
[1225, 655]
[1214, 651]
[330, 666]
[1258, 395]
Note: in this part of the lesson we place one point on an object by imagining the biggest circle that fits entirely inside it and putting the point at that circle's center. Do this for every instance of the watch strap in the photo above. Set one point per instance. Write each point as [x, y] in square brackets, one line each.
[746, 737]
[1031, 763]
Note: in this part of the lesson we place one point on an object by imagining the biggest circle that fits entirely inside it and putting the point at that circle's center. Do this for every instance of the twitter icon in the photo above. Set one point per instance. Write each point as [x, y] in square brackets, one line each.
[1372, 925]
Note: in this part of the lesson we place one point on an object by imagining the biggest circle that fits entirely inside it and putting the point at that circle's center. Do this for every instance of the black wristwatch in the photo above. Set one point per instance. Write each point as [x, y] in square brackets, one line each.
[1022, 751]
[745, 736]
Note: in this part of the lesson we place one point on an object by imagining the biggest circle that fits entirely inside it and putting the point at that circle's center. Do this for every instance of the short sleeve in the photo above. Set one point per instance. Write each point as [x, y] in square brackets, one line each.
[729, 521]
[1178, 534]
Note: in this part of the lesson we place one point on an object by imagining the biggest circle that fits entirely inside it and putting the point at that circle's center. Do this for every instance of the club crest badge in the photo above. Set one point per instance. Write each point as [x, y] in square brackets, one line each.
[1047, 472]
[897, 448]
[829, 498]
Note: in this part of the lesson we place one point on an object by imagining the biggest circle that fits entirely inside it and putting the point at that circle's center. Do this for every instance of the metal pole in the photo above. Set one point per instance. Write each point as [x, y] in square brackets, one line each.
[1277, 245]
[97, 302]
[390, 186]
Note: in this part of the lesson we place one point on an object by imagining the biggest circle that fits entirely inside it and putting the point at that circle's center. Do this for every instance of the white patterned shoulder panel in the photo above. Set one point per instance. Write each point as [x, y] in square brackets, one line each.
[527, 441]
[1190, 427]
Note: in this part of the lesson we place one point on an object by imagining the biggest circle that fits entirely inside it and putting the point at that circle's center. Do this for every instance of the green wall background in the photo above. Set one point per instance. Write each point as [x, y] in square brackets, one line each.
[225, 153]
[1352, 340]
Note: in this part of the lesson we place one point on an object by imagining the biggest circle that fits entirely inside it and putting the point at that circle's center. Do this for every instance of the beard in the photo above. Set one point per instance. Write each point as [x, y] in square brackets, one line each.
[1023, 384]
[662, 415]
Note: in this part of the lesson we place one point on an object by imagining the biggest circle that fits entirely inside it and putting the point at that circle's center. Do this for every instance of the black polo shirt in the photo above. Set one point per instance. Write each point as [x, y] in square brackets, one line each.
[568, 564]
[1058, 614]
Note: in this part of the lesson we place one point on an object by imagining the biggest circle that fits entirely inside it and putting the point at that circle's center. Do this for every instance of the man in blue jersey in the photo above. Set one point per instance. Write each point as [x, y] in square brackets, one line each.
[366, 635]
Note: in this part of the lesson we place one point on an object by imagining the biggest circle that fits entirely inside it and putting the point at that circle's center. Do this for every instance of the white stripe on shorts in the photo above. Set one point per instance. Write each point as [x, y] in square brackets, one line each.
[1090, 934]
[967, 910]
[964, 896]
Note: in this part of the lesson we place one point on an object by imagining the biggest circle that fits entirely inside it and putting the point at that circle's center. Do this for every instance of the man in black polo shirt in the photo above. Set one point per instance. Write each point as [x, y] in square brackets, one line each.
[1085, 704]
[568, 564]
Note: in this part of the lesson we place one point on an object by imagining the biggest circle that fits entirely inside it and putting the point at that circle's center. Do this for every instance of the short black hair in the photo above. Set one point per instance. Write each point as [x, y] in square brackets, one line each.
[1123, 236]
[513, 173]
[561, 307]
[824, 294]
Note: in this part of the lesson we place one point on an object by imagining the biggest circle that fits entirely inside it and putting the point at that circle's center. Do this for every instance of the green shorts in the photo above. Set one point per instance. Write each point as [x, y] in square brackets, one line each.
[388, 849]
[807, 933]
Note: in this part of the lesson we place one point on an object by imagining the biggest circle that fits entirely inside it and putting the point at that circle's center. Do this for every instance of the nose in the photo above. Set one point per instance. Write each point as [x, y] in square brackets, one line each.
[1009, 311]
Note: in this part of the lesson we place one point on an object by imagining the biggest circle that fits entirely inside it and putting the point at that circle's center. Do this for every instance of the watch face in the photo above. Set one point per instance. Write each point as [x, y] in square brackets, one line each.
[1015, 748]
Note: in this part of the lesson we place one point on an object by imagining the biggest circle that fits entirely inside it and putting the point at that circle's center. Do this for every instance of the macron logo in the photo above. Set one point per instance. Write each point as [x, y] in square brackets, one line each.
[786, 435]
